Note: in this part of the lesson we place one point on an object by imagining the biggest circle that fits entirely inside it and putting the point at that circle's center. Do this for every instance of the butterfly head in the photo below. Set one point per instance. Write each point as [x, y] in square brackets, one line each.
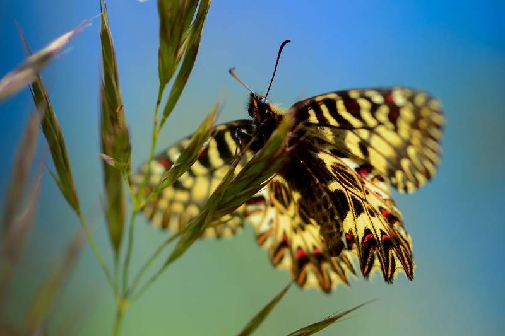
[259, 107]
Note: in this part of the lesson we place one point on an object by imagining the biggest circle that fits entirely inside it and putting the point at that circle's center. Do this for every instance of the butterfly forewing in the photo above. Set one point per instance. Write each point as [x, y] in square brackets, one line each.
[396, 130]
[182, 201]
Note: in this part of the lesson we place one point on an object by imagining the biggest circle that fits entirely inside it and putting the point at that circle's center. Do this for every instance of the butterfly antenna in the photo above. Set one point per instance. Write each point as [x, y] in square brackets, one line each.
[276, 63]
[232, 73]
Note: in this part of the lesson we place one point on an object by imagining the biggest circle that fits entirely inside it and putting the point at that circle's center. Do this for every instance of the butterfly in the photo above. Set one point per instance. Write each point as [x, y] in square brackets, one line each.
[331, 202]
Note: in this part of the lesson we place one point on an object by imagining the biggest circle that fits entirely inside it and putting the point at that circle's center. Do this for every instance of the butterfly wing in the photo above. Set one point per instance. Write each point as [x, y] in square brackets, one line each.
[396, 130]
[294, 242]
[176, 205]
[371, 224]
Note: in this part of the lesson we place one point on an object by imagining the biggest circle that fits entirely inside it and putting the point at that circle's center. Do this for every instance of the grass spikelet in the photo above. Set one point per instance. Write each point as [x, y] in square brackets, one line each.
[115, 140]
[53, 134]
[191, 39]
[175, 19]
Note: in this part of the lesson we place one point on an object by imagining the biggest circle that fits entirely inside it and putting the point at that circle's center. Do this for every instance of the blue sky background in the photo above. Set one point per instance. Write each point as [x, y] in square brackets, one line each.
[453, 49]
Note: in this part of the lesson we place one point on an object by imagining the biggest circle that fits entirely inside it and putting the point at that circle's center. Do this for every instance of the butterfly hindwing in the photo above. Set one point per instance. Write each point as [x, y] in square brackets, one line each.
[176, 205]
[370, 222]
[396, 130]
[294, 243]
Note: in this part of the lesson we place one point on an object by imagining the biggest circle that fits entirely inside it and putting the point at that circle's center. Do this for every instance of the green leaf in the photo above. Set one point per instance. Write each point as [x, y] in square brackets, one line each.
[115, 139]
[318, 326]
[263, 313]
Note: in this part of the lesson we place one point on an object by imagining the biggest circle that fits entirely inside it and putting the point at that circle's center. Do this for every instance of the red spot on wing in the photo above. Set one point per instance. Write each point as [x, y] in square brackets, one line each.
[384, 237]
[385, 213]
[349, 238]
[165, 163]
[256, 200]
[284, 238]
[389, 98]
[300, 253]
[367, 238]
[363, 171]
[317, 251]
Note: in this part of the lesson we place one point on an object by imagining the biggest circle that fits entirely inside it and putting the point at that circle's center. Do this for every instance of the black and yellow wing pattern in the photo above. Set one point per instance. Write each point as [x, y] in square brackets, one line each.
[176, 205]
[330, 204]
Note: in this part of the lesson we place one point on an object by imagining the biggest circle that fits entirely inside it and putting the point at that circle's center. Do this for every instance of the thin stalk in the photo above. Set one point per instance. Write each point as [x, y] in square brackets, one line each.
[117, 263]
[148, 263]
[128, 184]
[121, 307]
[156, 132]
[97, 253]
[126, 267]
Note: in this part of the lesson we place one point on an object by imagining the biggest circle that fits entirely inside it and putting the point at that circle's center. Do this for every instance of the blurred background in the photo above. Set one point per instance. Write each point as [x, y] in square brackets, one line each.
[453, 49]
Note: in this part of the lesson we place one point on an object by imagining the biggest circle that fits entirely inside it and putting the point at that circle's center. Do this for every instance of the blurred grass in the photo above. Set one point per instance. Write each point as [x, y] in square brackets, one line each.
[28, 72]
[46, 296]
[16, 226]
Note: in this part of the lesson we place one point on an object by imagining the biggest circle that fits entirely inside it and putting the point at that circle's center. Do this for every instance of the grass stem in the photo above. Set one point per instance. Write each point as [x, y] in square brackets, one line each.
[97, 253]
[126, 266]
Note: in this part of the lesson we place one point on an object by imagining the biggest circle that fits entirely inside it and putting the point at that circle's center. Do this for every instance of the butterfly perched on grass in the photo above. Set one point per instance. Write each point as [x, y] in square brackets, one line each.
[330, 202]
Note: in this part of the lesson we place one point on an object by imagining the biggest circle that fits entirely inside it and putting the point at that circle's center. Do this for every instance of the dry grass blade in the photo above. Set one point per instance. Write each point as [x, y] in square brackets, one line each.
[318, 326]
[28, 72]
[52, 132]
[14, 238]
[263, 313]
[53, 284]
[190, 153]
[115, 139]
[190, 50]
